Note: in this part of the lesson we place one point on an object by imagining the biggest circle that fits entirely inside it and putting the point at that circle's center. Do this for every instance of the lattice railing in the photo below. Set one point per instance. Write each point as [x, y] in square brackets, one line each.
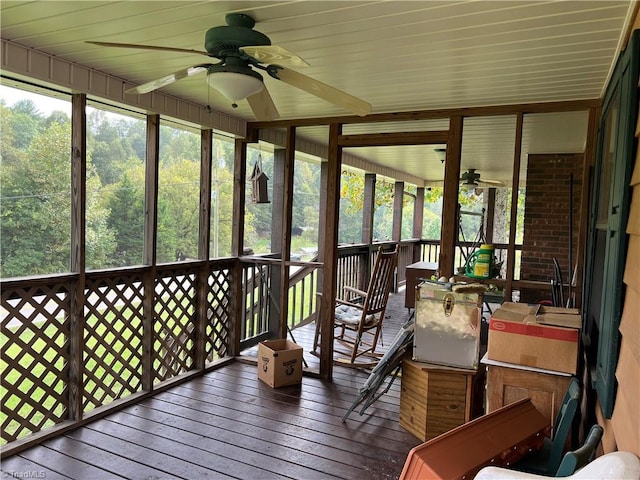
[37, 338]
[219, 321]
[113, 336]
[173, 324]
[34, 360]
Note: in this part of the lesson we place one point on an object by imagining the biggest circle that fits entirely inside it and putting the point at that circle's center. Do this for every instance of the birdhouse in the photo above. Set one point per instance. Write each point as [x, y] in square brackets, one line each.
[259, 184]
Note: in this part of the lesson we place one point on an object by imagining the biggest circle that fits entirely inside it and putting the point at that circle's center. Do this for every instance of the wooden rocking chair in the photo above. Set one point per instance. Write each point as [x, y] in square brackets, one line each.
[358, 324]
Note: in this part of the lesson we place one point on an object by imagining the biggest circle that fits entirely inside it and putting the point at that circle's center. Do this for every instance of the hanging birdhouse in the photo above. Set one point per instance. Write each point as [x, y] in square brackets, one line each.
[259, 183]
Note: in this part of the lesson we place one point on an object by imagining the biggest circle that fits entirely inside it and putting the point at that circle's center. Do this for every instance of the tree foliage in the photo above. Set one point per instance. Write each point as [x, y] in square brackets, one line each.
[36, 207]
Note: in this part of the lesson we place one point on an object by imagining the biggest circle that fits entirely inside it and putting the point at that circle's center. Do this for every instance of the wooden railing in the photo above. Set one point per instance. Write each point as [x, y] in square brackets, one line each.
[261, 288]
[70, 350]
[430, 252]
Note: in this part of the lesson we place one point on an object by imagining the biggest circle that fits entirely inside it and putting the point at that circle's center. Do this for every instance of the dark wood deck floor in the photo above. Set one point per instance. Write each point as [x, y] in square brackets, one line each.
[228, 424]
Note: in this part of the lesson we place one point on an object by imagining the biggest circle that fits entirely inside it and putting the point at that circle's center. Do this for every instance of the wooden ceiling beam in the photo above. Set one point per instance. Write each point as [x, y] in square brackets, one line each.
[398, 138]
[524, 108]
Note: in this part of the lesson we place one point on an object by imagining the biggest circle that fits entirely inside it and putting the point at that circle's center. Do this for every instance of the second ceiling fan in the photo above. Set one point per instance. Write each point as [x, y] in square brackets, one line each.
[471, 179]
[242, 51]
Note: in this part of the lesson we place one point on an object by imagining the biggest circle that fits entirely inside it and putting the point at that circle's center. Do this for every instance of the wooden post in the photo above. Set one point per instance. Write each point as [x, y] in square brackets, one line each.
[449, 224]
[418, 222]
[149, 249]
[583, 225]
[490, 215]
[398, 200]
[515, 184]
[78, 257]
[237, 240]
[204, 236]
[323, 218]
[239, 200]
[290, 155]
[277, 241]
[330, 257]
[368, 207]
[204, 232]
[368, 210]
[398, 204]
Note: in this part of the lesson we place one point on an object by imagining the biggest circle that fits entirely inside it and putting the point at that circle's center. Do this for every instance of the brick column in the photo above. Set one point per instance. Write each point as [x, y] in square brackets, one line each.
[547, 219]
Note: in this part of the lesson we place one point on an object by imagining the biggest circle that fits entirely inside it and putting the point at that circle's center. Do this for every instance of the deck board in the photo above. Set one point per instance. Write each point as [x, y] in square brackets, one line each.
[227, 424]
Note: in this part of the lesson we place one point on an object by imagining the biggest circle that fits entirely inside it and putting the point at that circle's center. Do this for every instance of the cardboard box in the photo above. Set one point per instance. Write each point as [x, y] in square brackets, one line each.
[279, 363]
[535, 336]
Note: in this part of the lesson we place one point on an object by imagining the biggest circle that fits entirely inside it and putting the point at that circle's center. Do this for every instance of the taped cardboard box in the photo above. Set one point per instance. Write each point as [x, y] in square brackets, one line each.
[279, 363]
[535, 336]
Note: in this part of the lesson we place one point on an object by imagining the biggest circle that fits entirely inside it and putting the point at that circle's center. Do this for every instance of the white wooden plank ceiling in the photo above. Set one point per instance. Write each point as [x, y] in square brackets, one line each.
[396, 55]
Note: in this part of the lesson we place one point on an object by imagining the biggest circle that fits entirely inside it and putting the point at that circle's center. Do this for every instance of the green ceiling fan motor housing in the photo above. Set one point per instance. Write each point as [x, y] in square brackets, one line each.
[225, 41]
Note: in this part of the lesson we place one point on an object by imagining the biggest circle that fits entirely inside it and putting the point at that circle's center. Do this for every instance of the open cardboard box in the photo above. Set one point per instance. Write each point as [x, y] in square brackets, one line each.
[535, 336]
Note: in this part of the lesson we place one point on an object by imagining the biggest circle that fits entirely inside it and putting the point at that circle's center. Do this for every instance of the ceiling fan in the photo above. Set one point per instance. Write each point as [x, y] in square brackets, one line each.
[471, 179]
[242, 51]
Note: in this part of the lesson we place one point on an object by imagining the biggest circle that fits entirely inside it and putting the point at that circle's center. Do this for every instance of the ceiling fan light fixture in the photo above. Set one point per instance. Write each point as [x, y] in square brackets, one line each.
[441, 153]
[235, 86]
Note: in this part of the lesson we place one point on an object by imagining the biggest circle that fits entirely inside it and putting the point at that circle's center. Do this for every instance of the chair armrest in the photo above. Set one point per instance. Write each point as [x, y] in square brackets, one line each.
[355, 290]
[344, 302]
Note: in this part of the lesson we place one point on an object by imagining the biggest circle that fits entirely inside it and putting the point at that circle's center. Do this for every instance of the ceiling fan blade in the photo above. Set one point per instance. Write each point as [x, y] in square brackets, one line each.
[492, 183]
[319, 89]
[262, 106]
[169, 79]
[147, 47]
[274, 54]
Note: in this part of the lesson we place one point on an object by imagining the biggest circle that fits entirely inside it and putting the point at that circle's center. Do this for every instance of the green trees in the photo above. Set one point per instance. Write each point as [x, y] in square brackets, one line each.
[35, 210]
[35, 204]
[36, 196]
[125, 206]
[178, 212]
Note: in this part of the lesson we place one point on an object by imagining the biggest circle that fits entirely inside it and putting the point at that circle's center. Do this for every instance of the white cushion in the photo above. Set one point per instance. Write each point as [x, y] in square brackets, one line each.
[351, 315]
[612, 466]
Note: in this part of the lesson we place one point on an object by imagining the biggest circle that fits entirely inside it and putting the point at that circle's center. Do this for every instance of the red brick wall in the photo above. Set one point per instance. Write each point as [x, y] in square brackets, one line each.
[546, 218]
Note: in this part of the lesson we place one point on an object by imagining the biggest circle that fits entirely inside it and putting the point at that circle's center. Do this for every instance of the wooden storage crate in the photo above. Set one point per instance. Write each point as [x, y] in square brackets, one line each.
[434, 399]
[508, 383]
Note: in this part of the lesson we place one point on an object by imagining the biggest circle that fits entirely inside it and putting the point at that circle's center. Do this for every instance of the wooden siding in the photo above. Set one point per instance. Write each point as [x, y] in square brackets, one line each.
[626, 414]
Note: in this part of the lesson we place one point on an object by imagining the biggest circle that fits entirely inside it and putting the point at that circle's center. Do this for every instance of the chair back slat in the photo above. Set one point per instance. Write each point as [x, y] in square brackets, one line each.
[563, 425]
[575, 460]
[381, 281]
[351, 328]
